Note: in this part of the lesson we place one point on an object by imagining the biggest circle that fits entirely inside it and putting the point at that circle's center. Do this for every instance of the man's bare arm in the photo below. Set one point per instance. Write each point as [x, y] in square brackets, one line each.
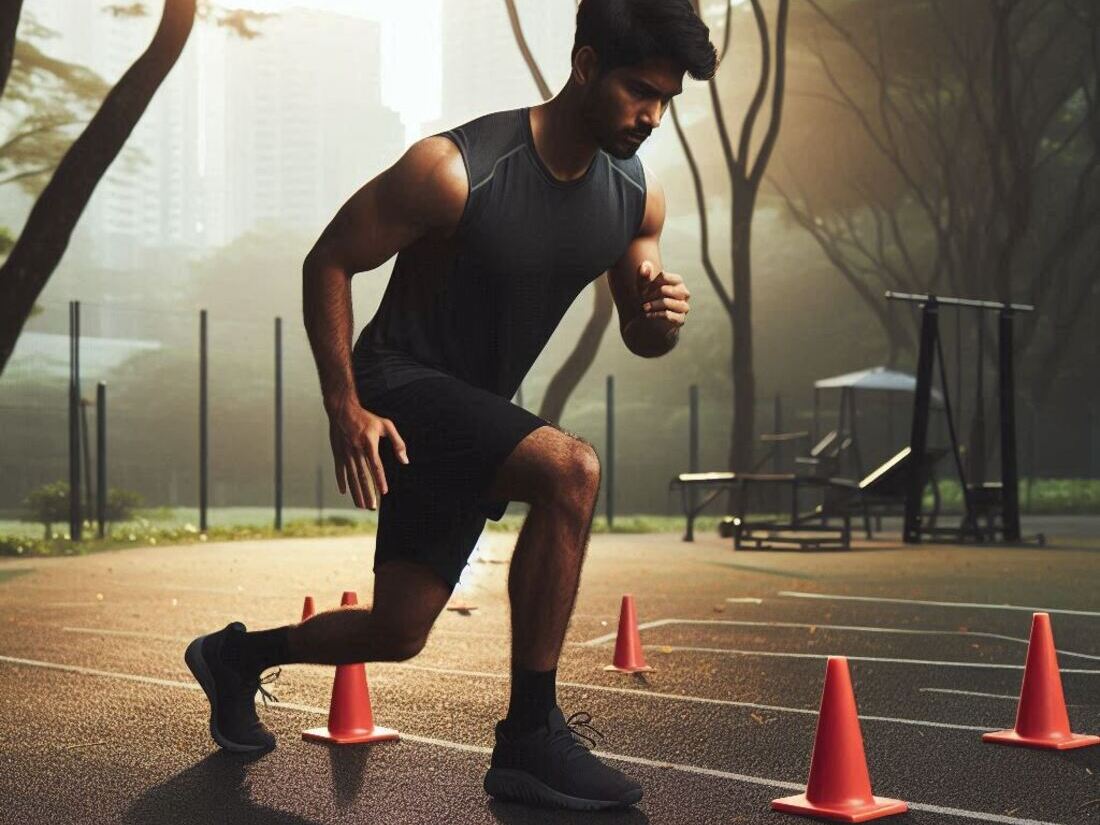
[422, 194]
[642, 332]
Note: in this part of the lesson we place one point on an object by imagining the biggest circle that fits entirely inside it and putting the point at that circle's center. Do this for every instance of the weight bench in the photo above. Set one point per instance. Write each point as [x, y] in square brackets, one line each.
[801, 531]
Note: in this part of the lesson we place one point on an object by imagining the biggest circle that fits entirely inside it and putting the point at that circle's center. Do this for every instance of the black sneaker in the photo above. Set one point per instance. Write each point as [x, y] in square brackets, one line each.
[548, 766]
[232, 694]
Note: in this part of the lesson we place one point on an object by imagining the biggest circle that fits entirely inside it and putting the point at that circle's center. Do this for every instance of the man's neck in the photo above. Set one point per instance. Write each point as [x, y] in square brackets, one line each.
[560, 136]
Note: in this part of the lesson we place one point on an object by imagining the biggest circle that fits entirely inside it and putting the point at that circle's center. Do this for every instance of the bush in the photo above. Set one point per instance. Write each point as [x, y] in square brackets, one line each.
[50, 503]
[121, 504]
[47, 504]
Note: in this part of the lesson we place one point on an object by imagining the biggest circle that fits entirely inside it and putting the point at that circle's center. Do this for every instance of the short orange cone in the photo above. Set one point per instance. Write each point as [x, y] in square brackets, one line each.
[629, 657]
[1041, 719]
[350, 720]
[308, 609]
[839, 786]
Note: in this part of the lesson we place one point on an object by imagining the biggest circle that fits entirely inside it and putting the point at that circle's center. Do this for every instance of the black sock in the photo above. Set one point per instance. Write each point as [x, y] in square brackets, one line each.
[533, 696]
[253, 653]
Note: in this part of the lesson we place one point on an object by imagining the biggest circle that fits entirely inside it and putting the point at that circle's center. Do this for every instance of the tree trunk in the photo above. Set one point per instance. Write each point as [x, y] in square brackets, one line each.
[54, 216]
[9, 22]
[574, 368]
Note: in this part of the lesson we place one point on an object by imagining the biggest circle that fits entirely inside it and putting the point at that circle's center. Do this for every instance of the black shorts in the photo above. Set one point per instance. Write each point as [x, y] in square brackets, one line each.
[456, 436]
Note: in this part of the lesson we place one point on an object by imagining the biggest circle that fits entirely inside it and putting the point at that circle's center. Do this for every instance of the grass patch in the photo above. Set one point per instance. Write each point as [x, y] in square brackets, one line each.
[1046, 497]
[8, 575]
[176, 526]
[143, 534]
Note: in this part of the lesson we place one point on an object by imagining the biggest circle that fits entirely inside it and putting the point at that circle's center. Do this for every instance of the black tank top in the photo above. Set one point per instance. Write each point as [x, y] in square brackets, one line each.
[482, 304]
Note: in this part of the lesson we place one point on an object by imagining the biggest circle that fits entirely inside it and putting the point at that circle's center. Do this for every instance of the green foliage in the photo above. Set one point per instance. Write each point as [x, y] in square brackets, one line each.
[48, 504]
[1046, 496]
[141, 533]
[121, 504]
[46, 98]
[7, 240]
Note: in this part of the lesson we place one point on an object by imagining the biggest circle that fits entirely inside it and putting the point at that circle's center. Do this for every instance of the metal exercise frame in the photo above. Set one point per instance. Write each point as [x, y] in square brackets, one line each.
[931, 350]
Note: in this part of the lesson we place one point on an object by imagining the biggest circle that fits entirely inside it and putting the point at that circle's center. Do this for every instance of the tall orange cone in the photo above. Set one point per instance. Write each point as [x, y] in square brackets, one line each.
[350, 720]
[1041, 719]
[839, 786]
[307, 608]
[629, 657]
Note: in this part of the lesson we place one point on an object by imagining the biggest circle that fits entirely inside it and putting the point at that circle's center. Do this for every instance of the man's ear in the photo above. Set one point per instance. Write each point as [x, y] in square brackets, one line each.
[586, 66]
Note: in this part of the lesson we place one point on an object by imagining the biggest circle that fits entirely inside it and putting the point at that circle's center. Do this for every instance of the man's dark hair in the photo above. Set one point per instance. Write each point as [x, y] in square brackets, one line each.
[627, 32]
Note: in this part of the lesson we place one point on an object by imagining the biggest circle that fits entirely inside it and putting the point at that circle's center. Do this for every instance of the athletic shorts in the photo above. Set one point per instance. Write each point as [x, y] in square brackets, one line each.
[456, 436]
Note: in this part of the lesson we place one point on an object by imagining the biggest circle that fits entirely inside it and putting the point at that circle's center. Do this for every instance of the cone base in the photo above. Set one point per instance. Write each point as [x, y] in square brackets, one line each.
[1011, 737]
[880, 807]
[642, 669]
[376, 734]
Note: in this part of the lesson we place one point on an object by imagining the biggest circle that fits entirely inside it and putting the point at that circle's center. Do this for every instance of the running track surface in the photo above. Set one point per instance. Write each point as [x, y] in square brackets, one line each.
[102, 722]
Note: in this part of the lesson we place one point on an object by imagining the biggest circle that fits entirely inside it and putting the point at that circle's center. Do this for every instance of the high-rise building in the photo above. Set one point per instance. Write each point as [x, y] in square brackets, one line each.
[281, 127]
[483, 69]
[305, 126]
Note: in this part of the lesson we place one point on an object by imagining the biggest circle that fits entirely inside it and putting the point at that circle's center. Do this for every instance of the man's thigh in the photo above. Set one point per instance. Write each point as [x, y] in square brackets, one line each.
[536, 464]
[408, 596]
[456, 436]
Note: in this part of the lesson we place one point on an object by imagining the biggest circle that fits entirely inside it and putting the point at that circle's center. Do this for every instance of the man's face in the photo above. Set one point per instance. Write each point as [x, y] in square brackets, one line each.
[623, 106]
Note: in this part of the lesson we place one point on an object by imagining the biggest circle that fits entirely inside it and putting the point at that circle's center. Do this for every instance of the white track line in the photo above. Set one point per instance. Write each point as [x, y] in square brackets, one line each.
[608, 637]
[970, 693]
[929, 662]
[745, 600]
[857, 628]
[480, 749]
[676, 697]
[800, 595]
[679, 697]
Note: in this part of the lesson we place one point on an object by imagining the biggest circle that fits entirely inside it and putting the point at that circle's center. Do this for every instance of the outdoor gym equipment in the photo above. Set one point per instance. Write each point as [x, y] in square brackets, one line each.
[997, 503]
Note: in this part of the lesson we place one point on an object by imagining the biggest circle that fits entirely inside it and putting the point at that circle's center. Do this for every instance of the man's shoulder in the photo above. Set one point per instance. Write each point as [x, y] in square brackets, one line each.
[631, 169]
[486, 140]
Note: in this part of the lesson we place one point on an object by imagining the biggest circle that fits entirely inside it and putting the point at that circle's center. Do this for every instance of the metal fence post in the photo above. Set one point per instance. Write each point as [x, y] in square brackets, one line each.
[610, 451]
[101, 456]
[278, 423]
[75, 516]
[203, 440]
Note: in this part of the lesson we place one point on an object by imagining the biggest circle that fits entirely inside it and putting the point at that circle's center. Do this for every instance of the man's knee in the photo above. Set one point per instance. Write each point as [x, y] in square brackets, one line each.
[395, 645]
[574, 478]
[550, 464]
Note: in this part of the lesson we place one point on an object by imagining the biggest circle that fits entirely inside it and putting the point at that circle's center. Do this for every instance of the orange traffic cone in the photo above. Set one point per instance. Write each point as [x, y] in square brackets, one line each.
[1041, 719]
[629, 657]
[350, 720]
[839, 786]
[308, 609]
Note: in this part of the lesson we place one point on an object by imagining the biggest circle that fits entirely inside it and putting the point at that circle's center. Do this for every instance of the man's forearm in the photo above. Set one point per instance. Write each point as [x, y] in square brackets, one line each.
[650, 337]
[326, 305]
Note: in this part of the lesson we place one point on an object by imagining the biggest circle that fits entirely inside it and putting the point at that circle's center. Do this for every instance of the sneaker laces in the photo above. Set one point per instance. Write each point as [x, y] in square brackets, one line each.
[258, 684]
[574, 723]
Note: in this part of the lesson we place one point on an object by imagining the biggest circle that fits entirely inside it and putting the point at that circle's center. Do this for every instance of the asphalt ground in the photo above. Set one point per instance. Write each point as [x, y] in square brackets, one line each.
[101, 721]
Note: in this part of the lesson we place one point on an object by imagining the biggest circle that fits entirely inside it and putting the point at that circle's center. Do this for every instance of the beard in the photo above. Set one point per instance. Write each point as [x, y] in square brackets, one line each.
[612, 141]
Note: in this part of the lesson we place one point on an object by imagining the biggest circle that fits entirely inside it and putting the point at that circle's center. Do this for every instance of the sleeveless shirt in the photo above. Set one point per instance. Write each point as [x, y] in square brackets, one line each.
[482, 304]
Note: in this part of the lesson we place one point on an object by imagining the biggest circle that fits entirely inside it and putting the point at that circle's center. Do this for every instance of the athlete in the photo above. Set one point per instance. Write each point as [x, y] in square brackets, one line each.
[497, 224]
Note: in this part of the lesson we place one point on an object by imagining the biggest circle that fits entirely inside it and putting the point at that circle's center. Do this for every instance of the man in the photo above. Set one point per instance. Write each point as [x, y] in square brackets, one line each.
[497, 225]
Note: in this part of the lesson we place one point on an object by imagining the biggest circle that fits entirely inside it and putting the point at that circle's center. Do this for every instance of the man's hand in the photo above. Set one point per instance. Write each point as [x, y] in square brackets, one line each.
[354, 433]
[664, 296]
